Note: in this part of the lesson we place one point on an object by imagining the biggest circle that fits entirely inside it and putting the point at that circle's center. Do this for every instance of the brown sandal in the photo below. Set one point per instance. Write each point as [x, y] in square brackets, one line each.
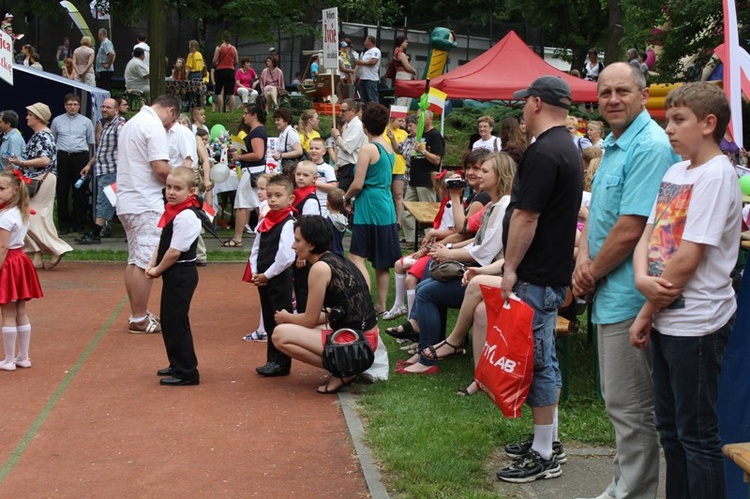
[231, 244]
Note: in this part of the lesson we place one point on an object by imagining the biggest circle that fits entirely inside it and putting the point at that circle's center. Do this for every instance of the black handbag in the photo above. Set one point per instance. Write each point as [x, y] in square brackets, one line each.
[347, 358]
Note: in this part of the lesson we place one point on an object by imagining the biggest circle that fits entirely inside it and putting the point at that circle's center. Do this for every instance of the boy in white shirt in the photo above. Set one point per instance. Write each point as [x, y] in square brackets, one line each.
[682, 266]
[326, 181]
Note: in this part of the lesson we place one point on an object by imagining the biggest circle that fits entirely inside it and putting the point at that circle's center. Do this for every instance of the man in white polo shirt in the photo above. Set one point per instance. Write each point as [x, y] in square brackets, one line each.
[369, 71]
[142, 169]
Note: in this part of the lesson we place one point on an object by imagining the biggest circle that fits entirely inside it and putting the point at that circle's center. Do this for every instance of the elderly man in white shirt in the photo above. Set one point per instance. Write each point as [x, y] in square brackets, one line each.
[348, 143]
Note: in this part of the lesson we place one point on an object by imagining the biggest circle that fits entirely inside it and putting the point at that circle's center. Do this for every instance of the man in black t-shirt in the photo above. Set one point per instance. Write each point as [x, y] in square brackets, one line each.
[426, 161]
[538, 236]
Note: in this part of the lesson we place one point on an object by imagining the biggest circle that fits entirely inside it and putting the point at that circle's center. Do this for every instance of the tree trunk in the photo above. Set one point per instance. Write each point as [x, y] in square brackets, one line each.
[614, 32]
[157, 37]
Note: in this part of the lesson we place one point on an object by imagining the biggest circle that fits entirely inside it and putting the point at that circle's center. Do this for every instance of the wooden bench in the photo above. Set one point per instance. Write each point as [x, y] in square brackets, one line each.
[424, 213]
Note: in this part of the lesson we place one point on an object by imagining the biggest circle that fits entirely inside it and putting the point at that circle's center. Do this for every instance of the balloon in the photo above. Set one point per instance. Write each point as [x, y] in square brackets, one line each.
[745, 184]
[217, 130]
[219, 173]
[650, 59]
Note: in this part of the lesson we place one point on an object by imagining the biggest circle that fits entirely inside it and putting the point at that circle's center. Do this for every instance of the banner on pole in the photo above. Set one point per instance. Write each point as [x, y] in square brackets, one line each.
[331, 38]
[6, 57]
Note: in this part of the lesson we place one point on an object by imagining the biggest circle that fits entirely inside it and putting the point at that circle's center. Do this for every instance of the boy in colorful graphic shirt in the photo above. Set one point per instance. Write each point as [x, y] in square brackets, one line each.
[682, 266]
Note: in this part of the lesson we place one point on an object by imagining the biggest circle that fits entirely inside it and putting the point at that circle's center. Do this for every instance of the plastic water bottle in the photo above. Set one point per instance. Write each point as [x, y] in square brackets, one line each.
[79, 183]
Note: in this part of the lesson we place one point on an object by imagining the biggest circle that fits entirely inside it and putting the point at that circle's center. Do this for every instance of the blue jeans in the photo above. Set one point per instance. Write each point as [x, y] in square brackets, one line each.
[686, 384]
[104, 208]
[433, 299]
[369, 90]
[545, 300]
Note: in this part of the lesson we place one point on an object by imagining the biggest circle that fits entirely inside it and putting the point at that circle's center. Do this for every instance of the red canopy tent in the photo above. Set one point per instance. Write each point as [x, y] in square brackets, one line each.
[508, 66]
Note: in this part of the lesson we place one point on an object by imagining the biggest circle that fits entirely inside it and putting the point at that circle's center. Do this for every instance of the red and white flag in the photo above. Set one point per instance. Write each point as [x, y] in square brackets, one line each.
[399, 112]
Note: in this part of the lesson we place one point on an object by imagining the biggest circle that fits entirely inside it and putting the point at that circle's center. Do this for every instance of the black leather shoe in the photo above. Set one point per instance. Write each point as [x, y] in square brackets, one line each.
[88, 238]
[178, 382]
[167, 371]
[272, 369]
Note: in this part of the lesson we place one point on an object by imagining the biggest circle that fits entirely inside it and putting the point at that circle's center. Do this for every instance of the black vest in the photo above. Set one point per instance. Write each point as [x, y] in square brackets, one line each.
[269, 245]
[300, 205]
[166, 240]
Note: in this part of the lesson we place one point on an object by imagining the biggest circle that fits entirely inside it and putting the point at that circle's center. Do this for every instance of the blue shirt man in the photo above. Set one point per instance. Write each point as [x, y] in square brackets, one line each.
[104, 65]
[637, 154]
[12, 142]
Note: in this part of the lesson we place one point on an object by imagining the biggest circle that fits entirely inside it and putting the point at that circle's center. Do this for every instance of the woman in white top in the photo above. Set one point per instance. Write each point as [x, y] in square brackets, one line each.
[288, 145]
[434, 297]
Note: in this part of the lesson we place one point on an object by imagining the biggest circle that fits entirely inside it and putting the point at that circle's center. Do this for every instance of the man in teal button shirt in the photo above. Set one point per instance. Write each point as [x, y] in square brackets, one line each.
[637, 154]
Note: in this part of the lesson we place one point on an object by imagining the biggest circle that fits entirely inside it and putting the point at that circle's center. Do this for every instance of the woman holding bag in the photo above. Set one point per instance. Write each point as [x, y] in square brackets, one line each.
[289, 150]
[335, 285]
[40, 164]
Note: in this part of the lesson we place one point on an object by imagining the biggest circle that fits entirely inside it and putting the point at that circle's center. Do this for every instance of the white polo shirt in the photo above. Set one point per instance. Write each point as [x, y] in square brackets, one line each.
[142, 140]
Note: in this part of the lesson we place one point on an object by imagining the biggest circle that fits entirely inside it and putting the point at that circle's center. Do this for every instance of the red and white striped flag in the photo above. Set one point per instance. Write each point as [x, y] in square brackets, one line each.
[399, 112]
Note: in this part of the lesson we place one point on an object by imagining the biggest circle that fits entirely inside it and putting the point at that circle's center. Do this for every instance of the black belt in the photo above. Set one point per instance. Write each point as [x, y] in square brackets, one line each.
[67, 153]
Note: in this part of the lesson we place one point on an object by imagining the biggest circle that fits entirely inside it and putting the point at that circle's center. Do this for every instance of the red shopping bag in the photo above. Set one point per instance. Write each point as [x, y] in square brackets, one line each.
[506, 366]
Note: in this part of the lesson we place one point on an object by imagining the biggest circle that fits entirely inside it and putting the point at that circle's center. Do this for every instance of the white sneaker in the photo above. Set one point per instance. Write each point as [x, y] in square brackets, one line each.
[394, 313]
[249, 230]
[8, 366]
[23, 363]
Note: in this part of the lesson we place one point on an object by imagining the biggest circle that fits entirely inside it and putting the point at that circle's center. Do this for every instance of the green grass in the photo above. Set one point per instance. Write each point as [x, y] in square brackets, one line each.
[432, 443]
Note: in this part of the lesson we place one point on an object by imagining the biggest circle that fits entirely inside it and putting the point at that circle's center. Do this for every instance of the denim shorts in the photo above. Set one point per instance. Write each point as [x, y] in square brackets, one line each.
[545, 300]
[104, 208]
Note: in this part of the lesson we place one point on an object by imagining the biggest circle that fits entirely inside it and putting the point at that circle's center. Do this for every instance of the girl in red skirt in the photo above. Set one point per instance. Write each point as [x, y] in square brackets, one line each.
[18, 280]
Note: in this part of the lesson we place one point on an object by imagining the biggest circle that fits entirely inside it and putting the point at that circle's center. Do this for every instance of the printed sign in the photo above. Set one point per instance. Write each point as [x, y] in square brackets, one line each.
[6, 57]
[331, 38]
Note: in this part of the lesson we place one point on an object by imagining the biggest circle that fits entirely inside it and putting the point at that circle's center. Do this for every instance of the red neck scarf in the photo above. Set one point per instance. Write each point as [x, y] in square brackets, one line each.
[273, 218]
[172, 210]
[300, 194]
[441, 211]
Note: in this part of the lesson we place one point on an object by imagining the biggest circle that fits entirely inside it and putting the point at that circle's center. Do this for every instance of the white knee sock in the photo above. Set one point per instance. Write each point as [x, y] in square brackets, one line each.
[9, 343]
[543, 440]
[555, 424]
[398, 301]
[411, 295]
[261, 327]
[24, 339]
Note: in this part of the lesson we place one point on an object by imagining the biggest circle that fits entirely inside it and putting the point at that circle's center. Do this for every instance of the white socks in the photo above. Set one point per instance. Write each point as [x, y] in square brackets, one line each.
[24, 338]
[398, 301]
[9, 345]
[543, 440]
[555, 424]
[411, 295]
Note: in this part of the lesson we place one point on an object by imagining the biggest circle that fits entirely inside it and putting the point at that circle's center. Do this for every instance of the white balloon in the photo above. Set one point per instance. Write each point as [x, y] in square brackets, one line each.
[219, 172]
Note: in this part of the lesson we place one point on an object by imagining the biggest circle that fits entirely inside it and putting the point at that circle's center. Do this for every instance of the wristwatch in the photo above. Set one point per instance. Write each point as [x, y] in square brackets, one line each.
[449, 245]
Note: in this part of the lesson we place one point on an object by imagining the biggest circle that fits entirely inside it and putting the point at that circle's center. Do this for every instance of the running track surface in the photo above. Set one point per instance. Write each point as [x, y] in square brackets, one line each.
[90, 419]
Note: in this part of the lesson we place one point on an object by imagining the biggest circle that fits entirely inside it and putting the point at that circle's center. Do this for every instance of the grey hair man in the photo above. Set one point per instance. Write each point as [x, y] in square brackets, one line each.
[637, 154]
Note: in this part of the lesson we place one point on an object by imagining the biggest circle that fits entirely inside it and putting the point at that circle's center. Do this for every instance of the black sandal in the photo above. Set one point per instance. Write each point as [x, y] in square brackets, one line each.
[407, 332]
[432, 351]
[344, 384]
